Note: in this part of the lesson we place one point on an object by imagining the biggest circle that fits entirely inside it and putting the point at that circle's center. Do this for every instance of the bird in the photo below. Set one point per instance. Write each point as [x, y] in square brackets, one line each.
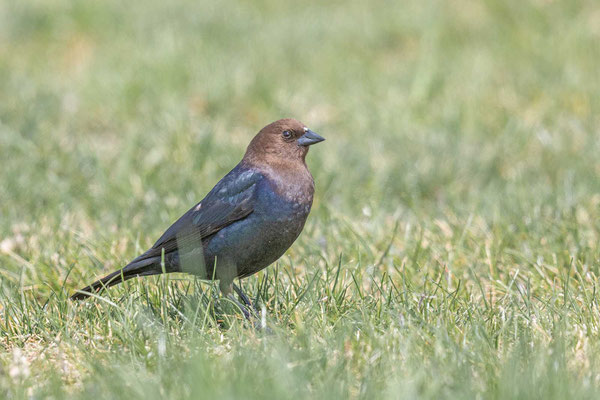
[245, 223]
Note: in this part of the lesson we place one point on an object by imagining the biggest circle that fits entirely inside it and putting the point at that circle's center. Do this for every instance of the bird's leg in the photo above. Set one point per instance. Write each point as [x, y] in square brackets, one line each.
[244, 310]
[226, 290]
[259, 322]
[243, 296]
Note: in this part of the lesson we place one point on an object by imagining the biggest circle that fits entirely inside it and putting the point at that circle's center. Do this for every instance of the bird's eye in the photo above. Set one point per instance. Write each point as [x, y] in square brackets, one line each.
[286, 134]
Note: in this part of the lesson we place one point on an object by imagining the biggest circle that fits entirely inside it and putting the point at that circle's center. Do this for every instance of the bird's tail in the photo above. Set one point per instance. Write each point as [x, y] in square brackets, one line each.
[143, 267]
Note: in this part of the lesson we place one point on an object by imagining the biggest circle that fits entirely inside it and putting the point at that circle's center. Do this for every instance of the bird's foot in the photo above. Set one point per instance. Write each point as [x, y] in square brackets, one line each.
[245, 298]
[253, 315]
[247, 314]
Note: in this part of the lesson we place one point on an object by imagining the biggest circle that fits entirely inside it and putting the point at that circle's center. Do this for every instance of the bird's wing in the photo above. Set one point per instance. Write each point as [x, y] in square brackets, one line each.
[229, 201]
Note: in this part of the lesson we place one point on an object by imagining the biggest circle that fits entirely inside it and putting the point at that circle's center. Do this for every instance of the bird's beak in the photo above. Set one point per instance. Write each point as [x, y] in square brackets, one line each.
[309, 138]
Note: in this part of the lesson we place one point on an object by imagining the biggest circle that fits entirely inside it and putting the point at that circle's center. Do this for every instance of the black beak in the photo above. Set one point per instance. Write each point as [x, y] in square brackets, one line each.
[309, 138]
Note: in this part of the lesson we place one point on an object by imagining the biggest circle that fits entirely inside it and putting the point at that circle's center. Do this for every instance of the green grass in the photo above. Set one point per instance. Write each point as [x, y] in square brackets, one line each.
[453, 250]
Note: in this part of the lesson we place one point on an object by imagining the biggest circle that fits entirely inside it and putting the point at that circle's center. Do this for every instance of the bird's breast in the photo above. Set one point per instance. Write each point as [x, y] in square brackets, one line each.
[263, 236]
[293, 184]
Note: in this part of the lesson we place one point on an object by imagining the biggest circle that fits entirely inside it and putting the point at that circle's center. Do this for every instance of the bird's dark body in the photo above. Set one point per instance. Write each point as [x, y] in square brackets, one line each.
[248, 245]
[245, 223]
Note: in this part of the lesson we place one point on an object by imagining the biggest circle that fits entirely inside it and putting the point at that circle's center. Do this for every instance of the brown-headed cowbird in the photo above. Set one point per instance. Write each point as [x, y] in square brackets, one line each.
[246, 222]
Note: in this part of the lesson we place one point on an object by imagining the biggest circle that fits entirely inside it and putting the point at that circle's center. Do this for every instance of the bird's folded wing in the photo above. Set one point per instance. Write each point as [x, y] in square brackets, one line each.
[230, 200]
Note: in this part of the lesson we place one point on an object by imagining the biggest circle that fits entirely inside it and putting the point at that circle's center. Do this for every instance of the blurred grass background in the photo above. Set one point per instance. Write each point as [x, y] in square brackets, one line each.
[452, 250]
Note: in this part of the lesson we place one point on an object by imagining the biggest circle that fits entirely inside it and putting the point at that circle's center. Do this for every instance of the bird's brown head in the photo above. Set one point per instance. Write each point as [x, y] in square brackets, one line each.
[283, 141]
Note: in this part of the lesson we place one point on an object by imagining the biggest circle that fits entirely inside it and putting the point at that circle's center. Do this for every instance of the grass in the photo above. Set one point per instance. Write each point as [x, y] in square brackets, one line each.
[453, 247]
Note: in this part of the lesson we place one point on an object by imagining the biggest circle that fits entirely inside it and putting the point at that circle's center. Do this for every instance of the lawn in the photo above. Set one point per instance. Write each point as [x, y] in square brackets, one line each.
[453, 248]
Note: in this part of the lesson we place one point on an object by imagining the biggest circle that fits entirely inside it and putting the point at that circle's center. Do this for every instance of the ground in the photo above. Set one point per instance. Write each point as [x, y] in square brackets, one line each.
[453, 249]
